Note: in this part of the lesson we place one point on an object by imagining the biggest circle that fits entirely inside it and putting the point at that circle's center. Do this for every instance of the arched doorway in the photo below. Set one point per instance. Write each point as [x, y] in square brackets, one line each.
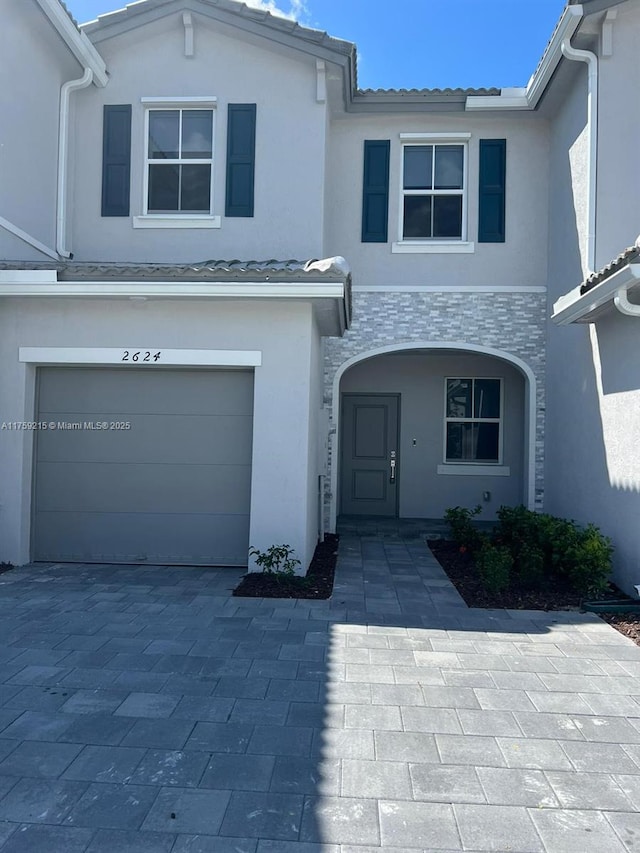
[424, 425]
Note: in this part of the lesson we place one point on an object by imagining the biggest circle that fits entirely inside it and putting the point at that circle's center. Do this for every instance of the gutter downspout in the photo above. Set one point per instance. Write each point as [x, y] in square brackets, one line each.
[591, 59]
[63, 156]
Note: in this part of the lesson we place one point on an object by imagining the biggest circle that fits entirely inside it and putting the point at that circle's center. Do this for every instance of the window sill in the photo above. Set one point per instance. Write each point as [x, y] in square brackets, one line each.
[475, 470]
[410, 248]
[165, 221]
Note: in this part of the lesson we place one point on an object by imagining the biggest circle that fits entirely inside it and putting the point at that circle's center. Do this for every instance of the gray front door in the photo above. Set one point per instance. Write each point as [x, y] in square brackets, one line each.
[369, 471]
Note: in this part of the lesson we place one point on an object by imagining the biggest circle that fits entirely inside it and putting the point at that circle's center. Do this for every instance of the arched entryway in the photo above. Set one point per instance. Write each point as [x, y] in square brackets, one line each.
[422, 426]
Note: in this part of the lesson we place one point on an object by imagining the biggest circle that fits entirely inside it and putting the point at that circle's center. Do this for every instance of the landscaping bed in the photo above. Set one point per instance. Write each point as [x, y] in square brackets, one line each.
[461, 570]
[318, 582]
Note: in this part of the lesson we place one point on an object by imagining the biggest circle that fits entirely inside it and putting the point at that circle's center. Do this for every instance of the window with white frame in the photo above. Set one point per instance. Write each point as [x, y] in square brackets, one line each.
[473, 420]
[434, 191]
[179, 161]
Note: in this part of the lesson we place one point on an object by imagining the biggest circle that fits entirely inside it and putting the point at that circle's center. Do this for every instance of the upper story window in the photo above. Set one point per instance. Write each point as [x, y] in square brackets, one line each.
[433, 186]
[179, 161]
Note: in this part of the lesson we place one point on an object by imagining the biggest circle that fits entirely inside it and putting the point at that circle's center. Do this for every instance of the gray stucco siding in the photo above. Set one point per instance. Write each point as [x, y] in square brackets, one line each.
[232, 68]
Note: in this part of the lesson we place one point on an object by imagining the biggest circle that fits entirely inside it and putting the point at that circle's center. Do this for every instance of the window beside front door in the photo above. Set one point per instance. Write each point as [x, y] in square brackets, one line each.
[473, 420]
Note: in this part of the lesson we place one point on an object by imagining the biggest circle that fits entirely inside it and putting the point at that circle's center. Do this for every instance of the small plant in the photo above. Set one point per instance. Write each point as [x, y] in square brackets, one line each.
[494, 564]
[276, 560]
[529, 565]
[460, 521]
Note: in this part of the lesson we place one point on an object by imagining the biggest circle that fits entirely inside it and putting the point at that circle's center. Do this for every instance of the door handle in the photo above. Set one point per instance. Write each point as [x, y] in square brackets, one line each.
[392, 472]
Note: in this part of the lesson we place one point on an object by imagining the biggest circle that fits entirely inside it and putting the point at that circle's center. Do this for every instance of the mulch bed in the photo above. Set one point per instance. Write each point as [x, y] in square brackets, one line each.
[460, 569]
[318, 582]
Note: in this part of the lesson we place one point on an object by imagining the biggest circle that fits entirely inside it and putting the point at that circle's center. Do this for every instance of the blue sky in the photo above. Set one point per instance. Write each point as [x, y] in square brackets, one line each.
[420, 43]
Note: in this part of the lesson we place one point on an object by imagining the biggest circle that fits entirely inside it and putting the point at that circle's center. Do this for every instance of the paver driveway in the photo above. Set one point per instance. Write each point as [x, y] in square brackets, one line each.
[145, 710]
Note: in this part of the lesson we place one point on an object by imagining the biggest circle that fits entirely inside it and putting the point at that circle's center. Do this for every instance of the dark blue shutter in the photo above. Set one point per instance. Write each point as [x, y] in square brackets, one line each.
[492, 181]
[241, 158]
[375, 190]
[116, 159]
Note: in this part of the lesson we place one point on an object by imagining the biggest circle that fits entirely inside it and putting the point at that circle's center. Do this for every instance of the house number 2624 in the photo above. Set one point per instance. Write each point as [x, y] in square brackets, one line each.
[141, 355]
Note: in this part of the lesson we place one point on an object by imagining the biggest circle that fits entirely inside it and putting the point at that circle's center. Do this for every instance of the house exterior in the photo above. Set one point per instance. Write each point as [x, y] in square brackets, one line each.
[170, 393]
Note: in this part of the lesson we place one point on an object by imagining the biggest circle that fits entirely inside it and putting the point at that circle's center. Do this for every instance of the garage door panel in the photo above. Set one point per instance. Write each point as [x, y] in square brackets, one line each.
[80, 537]
[185, 439]
[174, 488]
[144, 489]
[116, 390]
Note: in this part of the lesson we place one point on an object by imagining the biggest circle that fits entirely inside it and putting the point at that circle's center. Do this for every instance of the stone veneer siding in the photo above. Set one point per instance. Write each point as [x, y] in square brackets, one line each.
[511, 322]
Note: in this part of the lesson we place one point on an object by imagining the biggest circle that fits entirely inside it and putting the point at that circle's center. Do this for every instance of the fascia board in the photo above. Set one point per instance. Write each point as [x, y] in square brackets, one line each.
[77, 42]
[175, 290]
[572, 308]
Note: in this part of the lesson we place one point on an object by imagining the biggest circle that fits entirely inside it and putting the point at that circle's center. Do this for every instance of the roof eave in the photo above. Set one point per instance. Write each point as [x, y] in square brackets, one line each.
[77, 41]
[574, 307]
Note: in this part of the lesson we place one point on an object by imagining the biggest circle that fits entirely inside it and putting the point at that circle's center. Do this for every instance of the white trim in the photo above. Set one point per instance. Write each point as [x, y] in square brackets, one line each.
[475, 470]
[201, 100]
[178, 290]
[114, 355]
[405, 247]
[446, 288]
[27, 238]
[187, 23]
[77, 42]
[161, 220]
[529, 468]
[572, 307]
[439, 137]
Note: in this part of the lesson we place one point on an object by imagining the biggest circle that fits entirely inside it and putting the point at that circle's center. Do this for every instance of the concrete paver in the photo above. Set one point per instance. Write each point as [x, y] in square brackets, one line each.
[145, 709]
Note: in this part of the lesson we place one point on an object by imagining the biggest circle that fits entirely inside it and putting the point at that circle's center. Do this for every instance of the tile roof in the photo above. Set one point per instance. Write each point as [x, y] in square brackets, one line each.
[447, 91]
[333, 268]
[277, 22]
[628, 256]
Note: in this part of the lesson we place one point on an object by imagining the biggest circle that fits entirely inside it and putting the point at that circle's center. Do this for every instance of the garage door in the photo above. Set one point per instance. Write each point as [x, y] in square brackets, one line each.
[172, 487]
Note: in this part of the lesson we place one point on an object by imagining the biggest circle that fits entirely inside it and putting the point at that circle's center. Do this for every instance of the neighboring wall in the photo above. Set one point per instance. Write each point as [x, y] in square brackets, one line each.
[36, 63]
[593, 378]
[290, 142]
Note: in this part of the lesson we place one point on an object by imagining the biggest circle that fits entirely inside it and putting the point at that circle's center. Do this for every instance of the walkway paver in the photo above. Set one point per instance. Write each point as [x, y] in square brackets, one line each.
[145, 709]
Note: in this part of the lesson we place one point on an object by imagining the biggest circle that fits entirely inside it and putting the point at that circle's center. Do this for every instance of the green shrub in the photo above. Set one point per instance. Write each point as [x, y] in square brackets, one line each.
[589, 561]
[460, 521]
[276, 560]
[536, 547]
[494, 563]
[529, 565]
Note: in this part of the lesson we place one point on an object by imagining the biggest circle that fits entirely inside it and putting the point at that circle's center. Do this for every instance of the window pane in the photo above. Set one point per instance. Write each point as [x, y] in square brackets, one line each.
[196, 134]
[163, 187]
[164, 129]
[449, 166]
[472, 442]
[447, 216]
[195, 190]
[486, 402]
[417, 167]
[458, 398]
[417, 216]
[487, 442]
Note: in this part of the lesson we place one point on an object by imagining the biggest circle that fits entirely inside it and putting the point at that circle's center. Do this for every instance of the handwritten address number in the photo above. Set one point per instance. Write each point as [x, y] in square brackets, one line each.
[141, 355]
